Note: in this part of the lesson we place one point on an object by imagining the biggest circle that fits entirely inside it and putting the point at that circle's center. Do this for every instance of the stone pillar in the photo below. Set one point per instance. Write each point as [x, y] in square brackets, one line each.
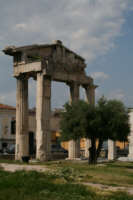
[130, 154]
[22, 115]
[90, 94]
[130, 138]
[111, 150]
[87, 146]
[43, 110]
[74, 146]
[90, 98]
[74, 149]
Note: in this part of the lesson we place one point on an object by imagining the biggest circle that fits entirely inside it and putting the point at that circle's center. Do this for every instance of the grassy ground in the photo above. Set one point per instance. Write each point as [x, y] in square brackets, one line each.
[39, 186]
[64, 180]
[111, 174]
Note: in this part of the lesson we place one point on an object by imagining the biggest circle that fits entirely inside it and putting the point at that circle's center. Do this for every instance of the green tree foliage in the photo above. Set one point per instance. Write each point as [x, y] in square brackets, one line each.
[107, 120]
[73, 121]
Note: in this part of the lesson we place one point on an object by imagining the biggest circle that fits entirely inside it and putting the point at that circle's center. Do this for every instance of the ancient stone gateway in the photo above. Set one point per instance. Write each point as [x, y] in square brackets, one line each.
[45, 63]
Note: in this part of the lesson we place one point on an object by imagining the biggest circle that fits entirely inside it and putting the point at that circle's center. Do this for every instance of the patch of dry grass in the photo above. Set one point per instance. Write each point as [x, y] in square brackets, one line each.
[114, 174]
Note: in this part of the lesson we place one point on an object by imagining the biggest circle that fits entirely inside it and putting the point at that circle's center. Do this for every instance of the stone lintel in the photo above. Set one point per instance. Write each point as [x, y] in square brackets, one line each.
[68, 78]
[26, 68]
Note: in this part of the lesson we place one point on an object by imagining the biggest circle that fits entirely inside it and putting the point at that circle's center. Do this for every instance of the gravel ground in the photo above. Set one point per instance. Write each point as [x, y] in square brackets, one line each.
[15, 167]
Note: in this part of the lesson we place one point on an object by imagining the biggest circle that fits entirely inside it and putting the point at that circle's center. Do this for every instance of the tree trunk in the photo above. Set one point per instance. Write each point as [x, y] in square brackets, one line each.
[99, 147]
[92, 152]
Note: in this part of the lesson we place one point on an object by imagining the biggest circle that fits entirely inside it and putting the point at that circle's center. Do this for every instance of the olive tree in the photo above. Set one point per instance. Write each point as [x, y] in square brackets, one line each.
[107, 120]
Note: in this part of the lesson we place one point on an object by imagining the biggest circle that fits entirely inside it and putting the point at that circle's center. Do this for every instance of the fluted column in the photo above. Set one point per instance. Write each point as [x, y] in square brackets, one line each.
[130, 155]
[74, 146]
[111, 150]
[90, 98]
[90, 94]
[22, 136]
[87, 146]
[43, 109]
[130, 138]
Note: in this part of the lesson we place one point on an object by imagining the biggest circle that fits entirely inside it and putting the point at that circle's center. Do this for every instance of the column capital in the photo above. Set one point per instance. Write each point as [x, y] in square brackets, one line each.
[72, 83]
[88, 86]
[90, 93]
[22, 77]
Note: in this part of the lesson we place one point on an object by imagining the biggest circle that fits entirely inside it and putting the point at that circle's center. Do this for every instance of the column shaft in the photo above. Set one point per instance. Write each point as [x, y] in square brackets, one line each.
[90, 94]
[43, 107]
[130, 138]
[90, 98]
[111, 150]
[87, 146]
[130, 155]
[74, 146]
[22, 115]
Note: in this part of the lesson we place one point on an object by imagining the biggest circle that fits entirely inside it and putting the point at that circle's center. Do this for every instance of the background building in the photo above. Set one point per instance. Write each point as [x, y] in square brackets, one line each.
[8, 132]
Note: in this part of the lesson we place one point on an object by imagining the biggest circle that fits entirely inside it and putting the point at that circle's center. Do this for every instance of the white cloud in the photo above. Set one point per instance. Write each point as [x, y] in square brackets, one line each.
[21, 26]
[117, 94]
[99, 76]
[88, 26]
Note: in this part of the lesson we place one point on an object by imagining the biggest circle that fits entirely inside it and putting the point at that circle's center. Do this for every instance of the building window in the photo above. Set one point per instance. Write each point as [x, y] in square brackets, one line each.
[13, 127]
[4, 145]
[6, 130]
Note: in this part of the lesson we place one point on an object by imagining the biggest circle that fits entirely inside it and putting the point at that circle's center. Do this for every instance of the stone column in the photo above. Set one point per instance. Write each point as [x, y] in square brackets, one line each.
[43, 107]
[22, 115]
[87, 146]
[90, 98]
[90, 94]
[130, 138]
[111, 150]
[74, 146]
[130, 154]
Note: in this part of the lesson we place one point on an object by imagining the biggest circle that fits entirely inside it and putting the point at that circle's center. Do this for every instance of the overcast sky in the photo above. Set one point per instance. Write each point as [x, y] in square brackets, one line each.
[99, 30]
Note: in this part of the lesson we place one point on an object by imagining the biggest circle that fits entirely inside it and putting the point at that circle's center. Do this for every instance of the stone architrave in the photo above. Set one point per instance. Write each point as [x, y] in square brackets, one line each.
[74, 146]
[111, 150]
[43, 104]
[22, 137]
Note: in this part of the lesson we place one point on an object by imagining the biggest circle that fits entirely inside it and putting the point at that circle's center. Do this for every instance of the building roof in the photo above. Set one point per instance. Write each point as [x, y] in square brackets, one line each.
[11, 50]
[6, 107]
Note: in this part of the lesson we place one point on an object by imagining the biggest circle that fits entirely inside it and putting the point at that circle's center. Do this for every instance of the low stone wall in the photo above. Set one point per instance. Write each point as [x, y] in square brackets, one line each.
[59, 155]
[54, 156]
[7, 157]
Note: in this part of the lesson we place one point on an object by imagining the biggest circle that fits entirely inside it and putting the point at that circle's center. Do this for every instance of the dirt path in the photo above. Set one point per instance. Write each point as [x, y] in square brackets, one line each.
[16, 167]
[110, 188]
[39, 168]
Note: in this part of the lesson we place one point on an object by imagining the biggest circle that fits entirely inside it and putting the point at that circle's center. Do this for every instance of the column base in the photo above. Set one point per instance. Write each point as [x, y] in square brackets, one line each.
[73, 159]
[22, 147]
[43, 158]
[74, 149]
